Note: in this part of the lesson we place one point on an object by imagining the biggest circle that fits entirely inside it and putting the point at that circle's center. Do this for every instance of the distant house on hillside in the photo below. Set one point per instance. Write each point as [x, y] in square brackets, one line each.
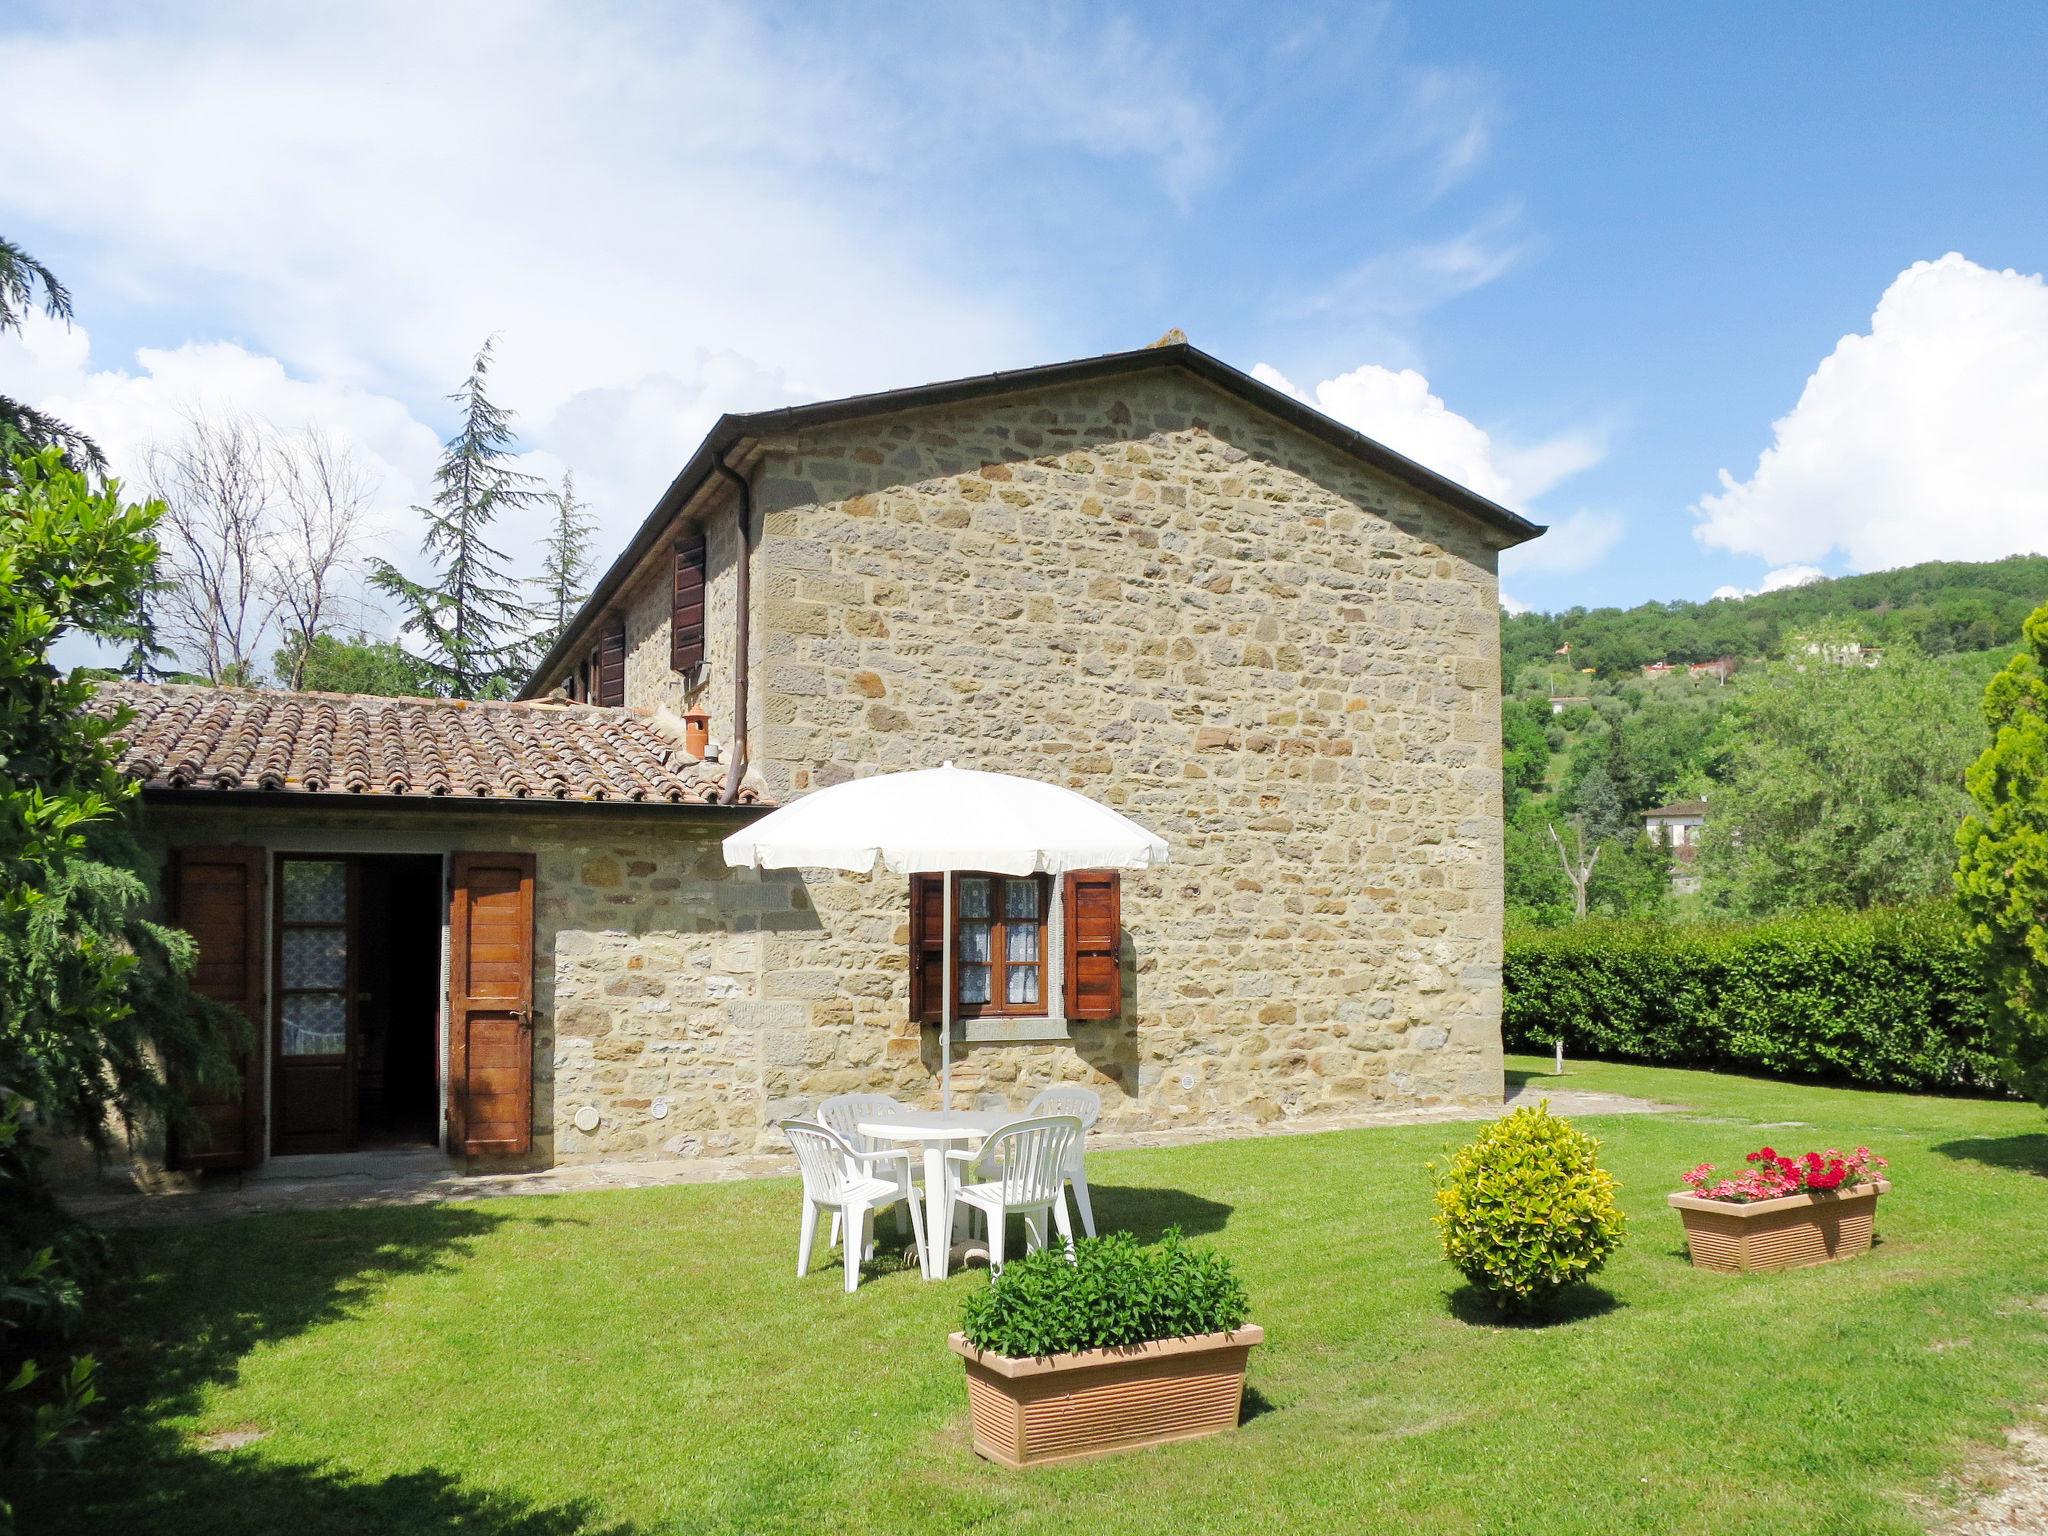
[1721, 667]
[1656, 668]
[1677, 826]
[1843, 653]
[1560, 702]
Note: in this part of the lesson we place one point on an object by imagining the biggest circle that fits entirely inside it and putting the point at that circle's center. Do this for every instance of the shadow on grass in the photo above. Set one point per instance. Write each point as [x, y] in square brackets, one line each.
[1473, 1306]
[197, 1301]
[1146, 1213]
[2023, 1154]
[1256, 1405]
[1513, 1081]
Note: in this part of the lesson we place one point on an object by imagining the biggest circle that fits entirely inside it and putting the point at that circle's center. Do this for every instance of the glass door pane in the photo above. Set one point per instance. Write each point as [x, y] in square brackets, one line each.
[313, 958]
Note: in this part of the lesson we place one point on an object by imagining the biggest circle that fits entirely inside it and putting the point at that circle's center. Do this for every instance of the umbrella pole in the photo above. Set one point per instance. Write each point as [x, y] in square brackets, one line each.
[946, 1007]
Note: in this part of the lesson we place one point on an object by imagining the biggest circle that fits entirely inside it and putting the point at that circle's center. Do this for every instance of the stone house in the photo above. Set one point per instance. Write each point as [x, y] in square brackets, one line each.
[1677, 827]
[506, 929]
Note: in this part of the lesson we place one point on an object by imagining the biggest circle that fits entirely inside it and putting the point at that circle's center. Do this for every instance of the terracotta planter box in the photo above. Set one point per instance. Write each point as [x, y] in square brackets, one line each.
[1060, 1407]
[1787, 1233]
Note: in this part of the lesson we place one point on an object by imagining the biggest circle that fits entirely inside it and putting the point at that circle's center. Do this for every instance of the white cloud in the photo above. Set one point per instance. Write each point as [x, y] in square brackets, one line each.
[661, 216]
[1921, 440]
[1774, 581]
[1397, 408]
[1410, 280]
[127, 412]
[1512, 604]
[368, 194]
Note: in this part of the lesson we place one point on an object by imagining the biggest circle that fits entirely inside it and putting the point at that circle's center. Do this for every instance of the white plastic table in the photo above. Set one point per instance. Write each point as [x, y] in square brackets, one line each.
[936, 1132]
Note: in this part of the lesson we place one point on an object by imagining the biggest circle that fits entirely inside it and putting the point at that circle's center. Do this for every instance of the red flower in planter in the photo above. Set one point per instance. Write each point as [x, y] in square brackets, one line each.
[1772, 1175]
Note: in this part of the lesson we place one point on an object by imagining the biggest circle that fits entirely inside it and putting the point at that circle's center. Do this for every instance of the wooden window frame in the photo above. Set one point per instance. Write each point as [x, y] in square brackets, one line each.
[998, 939]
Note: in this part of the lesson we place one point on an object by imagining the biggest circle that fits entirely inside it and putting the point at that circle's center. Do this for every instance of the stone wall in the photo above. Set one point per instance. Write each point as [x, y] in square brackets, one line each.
[1281, 660]
[647, 990]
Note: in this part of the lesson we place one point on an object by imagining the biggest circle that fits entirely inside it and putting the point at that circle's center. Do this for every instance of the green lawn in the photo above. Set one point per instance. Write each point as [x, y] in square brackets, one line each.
[647, 1361]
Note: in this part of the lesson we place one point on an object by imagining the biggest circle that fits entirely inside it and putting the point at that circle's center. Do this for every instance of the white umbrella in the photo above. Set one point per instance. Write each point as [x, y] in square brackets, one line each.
[937, 821]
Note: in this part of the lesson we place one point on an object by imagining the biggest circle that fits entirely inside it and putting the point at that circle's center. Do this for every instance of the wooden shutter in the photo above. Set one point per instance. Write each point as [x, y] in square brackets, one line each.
[611, 663]
[490, 1005]
[1092, 919]
[927, 948]
[686, 614]
[218, 897]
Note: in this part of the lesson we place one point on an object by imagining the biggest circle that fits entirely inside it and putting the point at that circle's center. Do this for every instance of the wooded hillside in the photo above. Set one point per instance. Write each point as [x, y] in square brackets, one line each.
[1942, 607]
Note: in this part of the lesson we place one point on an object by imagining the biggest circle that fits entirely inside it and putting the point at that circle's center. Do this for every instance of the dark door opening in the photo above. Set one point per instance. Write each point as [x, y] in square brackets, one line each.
[358, 964]
[398, 990]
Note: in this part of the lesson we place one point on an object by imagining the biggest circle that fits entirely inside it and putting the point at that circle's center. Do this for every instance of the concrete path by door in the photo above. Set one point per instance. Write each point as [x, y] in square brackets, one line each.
[412, 1178]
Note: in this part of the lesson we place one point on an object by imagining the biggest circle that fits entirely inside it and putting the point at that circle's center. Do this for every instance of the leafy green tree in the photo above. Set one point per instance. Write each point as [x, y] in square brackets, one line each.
[22, 427]
[1633, 879]
[2002, 872]
[93, 1005]
[96, 1013]
[1525, 748]
[565, 563]
[472, 619]
[1845, 785]
[334, 664]
[1535, 886]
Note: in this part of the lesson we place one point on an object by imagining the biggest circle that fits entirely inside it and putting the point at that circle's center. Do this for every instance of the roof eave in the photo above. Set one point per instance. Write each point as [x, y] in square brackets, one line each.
[325, 801]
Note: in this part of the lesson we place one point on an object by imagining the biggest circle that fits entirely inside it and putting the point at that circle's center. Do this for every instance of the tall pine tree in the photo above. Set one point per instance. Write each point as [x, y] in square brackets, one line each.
[565, 564]
[472, 619]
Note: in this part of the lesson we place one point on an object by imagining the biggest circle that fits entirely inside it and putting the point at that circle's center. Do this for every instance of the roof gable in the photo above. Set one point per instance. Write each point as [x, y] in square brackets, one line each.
[730, 431]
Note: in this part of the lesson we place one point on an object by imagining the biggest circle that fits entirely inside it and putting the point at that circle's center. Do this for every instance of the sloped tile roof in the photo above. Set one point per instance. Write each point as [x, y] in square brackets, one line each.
[230, 740]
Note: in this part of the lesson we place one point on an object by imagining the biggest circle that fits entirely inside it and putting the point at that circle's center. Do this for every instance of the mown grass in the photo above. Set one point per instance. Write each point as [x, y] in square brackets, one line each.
[646, 1361]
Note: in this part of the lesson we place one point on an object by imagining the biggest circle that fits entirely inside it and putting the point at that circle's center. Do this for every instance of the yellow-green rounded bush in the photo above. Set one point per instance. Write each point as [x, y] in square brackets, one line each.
[1525, 1211]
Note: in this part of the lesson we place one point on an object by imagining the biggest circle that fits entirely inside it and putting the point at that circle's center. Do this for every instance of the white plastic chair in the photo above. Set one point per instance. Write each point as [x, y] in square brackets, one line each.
[1085, 1105]
[842, 1114]
[1021, 1168]
[853, 1185]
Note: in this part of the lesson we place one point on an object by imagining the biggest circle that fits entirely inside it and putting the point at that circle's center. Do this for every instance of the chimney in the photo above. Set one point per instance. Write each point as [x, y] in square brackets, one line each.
[696, 733]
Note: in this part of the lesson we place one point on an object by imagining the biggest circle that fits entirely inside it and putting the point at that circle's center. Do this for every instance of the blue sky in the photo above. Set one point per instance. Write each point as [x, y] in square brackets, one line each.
[1586, 259]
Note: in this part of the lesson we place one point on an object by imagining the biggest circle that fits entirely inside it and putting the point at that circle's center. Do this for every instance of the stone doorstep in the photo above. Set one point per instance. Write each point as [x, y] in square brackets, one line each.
[403, 1180]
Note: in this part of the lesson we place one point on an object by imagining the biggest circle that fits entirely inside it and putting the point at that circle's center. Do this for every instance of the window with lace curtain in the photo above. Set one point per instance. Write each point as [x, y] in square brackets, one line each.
[999, 944]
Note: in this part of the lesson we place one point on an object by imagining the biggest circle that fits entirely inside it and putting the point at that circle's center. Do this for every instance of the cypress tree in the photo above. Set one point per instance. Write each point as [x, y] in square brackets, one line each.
[472, 618]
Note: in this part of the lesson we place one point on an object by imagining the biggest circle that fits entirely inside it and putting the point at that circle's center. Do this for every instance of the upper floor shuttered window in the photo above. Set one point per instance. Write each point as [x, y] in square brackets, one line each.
[686, 614]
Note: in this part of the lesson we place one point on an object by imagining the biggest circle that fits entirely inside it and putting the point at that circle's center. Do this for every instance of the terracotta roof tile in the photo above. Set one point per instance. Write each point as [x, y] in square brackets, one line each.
[183, 737]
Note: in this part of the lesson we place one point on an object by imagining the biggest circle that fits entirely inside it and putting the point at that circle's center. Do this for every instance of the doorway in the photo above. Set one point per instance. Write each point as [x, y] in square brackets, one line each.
[355, 1047]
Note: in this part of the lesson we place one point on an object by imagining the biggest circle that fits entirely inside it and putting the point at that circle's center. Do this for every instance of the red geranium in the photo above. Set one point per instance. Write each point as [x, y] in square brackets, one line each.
[1771, 1175]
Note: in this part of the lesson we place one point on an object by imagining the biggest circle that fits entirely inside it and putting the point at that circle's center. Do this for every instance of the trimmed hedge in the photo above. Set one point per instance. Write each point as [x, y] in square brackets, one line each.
[1887, 999]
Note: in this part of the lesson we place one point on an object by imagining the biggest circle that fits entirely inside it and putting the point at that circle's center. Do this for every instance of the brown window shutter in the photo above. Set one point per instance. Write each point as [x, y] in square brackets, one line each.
[686, 614]
[1093, 922]
[217, 895]
[611, 663]
[490, 1004]
[927, 948]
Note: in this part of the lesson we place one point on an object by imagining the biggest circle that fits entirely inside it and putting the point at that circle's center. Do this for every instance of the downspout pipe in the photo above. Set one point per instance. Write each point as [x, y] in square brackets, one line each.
[741, 606]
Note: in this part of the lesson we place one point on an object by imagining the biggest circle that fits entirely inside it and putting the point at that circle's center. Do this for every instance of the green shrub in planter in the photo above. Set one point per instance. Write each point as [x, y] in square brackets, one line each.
[1526, 1211]
[1114, 1293]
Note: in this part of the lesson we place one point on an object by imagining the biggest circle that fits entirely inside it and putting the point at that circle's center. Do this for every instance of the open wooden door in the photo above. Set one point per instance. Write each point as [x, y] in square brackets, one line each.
[490, 1004]
[313, 1061]
[217, 896]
